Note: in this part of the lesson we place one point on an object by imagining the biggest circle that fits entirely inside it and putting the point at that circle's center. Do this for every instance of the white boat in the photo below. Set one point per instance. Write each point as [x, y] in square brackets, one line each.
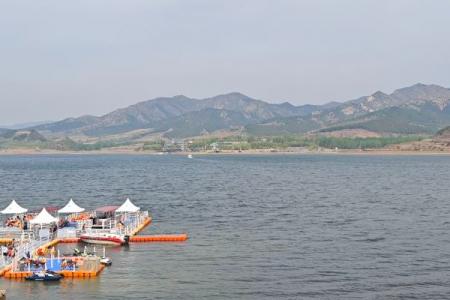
[102, 238]
[189, 155]
[105, 261]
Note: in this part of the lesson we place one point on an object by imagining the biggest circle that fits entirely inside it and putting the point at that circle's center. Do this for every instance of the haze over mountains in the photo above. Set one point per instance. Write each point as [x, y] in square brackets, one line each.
[418, 109]
[24, 125]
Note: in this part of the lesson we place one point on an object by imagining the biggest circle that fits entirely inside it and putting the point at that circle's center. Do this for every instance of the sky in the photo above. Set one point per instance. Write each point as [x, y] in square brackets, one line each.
[61, 59]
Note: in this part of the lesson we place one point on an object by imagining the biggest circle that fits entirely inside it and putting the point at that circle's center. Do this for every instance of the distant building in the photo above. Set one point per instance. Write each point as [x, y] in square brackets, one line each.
[214, 146]
[174, 146]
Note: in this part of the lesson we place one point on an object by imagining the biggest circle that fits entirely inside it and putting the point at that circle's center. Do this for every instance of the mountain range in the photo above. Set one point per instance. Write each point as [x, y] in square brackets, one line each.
[179, 116]
[418, 109]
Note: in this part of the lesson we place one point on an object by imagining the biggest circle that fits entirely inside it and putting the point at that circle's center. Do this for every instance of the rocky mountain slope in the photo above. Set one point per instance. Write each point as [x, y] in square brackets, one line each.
[412, 110]
[21, 135]
[443, 135]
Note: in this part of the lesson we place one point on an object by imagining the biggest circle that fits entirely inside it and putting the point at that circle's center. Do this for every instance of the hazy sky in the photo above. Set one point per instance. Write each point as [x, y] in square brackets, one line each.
[68, 58]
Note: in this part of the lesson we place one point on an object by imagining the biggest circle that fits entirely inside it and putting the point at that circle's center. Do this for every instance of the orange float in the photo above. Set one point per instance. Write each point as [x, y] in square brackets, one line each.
[69, 240]
[159, 238]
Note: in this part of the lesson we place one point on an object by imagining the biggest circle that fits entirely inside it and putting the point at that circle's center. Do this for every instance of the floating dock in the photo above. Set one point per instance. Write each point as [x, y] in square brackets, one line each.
[65, 273]
[79, 273]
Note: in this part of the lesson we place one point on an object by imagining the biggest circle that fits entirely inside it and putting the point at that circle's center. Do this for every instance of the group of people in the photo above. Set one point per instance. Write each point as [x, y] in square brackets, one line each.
[9, 250]
[36, 262]
[68, 263]
[23, 222]
[18, 222]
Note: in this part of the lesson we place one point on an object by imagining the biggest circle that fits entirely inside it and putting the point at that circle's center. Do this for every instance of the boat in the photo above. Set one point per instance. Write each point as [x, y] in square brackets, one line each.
[190, 156]
[105, 261]
[44, 276]
[105, 239]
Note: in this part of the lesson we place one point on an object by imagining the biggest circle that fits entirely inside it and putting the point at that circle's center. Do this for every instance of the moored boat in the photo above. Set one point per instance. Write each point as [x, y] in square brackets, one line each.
[104, 239]
[105, 261]
[44, 276]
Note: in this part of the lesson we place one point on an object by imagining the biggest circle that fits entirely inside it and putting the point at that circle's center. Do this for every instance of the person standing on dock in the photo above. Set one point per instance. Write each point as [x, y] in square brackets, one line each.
[24, 223]
[4, 250]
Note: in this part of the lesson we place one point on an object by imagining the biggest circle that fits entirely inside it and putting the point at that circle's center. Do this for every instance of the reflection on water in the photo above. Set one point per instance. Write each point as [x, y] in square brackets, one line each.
[260, 226]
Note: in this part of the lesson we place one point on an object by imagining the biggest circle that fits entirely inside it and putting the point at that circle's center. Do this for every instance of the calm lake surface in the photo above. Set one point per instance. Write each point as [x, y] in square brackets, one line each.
[274, 227]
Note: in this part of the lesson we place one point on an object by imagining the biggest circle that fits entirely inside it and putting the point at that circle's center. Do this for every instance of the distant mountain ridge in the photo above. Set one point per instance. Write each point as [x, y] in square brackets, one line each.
[157, 113]
[416, 109]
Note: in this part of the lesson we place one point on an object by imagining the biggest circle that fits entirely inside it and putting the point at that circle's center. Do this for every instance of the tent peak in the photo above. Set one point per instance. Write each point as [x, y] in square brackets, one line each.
[14, 208]
[70, 208]
[44, 218]
[128, 206]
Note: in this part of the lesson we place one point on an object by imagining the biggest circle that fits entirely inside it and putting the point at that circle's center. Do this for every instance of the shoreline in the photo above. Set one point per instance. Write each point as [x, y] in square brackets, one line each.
[368, 152]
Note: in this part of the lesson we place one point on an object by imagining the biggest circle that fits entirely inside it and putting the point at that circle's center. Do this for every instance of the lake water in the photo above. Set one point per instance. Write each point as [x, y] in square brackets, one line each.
[274, 227]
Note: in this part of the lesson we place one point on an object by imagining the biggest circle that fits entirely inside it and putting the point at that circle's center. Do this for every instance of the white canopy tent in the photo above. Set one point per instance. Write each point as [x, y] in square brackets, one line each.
[129, 216]
[43, 218]
[14, 209]
[128, 207]
[70, 208]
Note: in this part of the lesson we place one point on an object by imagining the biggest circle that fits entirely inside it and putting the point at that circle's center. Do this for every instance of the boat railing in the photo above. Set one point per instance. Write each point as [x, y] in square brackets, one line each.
[10, 232]
[67, 232]
[105, 230]
[45, 235]
[111, 225]
[26, 235]
[21, 240]
[4, 261]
